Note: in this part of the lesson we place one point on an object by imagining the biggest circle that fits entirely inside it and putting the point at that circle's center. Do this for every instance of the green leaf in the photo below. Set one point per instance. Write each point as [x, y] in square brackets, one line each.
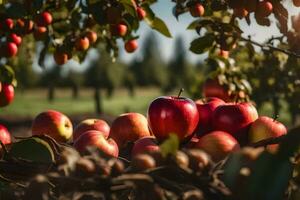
[7, 75]
[170, 146]
[129, 7]
[33, 149]
[202, 44]
[193, 25]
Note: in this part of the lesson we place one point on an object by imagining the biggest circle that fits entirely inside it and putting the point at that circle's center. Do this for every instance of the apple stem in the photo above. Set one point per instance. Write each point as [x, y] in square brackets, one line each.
[180, 92]
[275, 118]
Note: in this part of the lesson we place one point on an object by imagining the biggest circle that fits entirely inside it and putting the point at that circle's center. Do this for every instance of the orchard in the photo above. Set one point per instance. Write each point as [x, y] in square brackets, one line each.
[207, 141]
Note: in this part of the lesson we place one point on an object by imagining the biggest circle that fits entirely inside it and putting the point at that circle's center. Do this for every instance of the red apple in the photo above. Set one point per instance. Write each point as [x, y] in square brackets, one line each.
[91, 124]
[7, 94]
[119, 30]
[218, 144]
[212, 88]
[92, 36]
[141, 13]
[97, 139]
[54, 124]
[25, 26]
[235, 118]
[82, 44]
[40, 33]
[131, 46]
[9, 49]
[240, 12]
[144, 145]
[206, 108]
[264, 8]
[60, 57]
[15, 39]
[265, 127]
[7, 24]
[5, 136]
[129, 127]
[43, 19]
[172, 115]
[224, 53]
[296, 3]
[197, 10]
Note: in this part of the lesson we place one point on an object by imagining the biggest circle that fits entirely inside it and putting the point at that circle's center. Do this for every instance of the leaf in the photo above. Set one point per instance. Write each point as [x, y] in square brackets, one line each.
[7, 75]
[170, 146]
[129, 7]
[193, 25]
[33, 149]
[202, 44]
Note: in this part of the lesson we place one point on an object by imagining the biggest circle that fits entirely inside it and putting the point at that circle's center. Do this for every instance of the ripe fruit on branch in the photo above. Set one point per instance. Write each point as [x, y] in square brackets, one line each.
[240, 12]
[25, 26]
[131, 46]
[60, 57]
[15, 39]
[197, 10]
[82, 44]
[91, 124]
[119, 30]
[43, 19]
[206, 108]
[9, 49]
[264, 8]
[40, 33]
[224, 53]
[54, 124]
[7, 24]
[218, 144]
[96, 139]
[129, 127]
[212, 88]
[7, 94]
[172, 115]
[92, 36]
[235, 118]
[5, 136]
[141, 13]
[144, 145]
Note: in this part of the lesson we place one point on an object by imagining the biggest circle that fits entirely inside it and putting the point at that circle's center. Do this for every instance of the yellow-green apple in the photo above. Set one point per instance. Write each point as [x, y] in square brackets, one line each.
[264, 8]
[212, 88]
[172, 115]
[235, 118]
[265, 127]
[129, 127]
[91, 124]
[5, 136]
[7, 94]
[217, 144]
[144, 145]
[206, 108]
[54, 124]
[96, 139]
[197, 10]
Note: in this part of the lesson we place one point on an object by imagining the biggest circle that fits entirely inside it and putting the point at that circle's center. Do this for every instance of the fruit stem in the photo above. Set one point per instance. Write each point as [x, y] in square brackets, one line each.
[275, 118]
[180, 92]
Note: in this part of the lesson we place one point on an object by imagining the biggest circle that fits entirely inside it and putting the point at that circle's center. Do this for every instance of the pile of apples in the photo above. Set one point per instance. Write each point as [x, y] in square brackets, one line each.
[210, 124]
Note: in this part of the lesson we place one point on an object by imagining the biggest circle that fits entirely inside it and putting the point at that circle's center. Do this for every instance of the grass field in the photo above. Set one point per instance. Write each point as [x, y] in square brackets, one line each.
[32, 102]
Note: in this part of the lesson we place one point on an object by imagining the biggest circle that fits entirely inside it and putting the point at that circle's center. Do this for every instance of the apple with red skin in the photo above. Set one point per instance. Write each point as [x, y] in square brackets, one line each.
[40, 33]
[82, 44]
[129, 127]
[44, 19]
[212, 88]
[264, 8]
[61, 58]
[224, 53]
[9, 49]
[131, 46]
[15, 39]
[265, 127]
[197, 10]
[206, 108]
[141, 13]
[235, 118]
[92, 36]
[54, 124]
[240, 12]
[144, 145]
[96, 139]
[119, 30]
[7, 94]
[7, 24]
[296, 3]
[172, 115]
[25, 26]
[91, 124]
[218, 144]
[5, 136]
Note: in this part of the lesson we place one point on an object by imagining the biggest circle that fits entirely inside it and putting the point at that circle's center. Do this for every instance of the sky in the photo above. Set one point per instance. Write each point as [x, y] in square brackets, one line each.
[163, 8]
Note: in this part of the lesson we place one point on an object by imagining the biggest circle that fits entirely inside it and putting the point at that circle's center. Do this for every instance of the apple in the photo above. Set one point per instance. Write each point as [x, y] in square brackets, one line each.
[265, 127]
[235, 118]
[131, 46]
[97, 139]
[43, 19]
[240, 12]
[61, 58]
[0, 86]
[54, 124]
[92, 36]
[40, 33]
[82, 43]
[91, 124]
[218, 144]
[264, 8]
[119, 30]
[25, 26]
[5, 136]
[144, 145]
[7, 94]
[7, 24]
[129, 127]
[141, 13]
[197, 10]
[206, 108]
[212, 88]
[172, 115]
[15, 39]
[224, 53]
[9, 49]
[296, 3]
